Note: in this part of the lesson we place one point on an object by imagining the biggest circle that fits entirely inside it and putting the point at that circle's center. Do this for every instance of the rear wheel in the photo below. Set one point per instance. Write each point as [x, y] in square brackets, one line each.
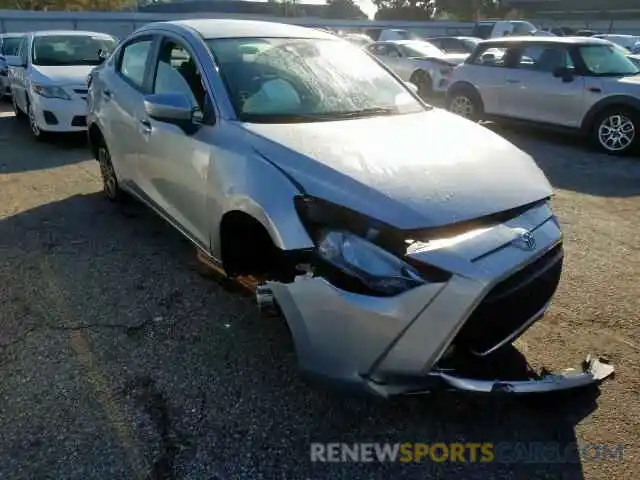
[466, 103]
[422, 80]
[616, 130]
[110, 185]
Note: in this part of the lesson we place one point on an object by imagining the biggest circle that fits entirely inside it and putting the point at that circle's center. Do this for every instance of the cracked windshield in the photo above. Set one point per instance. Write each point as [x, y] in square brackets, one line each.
[319, 239]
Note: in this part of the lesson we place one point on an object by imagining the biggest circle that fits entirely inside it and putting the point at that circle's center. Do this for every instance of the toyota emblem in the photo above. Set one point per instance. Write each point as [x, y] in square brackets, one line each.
[525, 241]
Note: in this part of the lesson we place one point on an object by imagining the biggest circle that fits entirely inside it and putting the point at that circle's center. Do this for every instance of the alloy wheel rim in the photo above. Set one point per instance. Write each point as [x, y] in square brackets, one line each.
[108, 174]
[462, 106]
[616, 132]
[35, 129]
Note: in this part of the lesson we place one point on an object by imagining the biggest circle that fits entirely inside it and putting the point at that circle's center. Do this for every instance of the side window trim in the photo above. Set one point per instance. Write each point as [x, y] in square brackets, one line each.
[144, 88]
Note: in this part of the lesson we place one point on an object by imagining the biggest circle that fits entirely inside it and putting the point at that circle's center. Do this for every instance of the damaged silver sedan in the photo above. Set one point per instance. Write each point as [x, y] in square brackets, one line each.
[394, 237]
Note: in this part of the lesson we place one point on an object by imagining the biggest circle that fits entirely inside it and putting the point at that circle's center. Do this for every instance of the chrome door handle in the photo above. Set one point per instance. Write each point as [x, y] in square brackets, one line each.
[511, 81]
[107, 94]
[145, 126]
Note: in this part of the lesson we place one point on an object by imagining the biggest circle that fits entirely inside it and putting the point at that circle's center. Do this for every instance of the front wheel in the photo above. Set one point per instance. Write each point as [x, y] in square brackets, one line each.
[616, 131]
[465, 103]
[19, 114]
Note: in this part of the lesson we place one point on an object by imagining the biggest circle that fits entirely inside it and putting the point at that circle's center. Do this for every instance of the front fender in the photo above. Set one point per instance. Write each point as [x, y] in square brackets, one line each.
[262, 191]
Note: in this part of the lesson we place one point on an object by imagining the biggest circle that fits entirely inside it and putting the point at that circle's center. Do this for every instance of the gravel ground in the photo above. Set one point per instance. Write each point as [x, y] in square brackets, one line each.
[117, 360]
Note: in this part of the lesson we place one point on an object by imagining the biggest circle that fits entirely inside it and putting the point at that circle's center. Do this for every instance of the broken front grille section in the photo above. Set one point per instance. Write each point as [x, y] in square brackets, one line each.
[512, 305]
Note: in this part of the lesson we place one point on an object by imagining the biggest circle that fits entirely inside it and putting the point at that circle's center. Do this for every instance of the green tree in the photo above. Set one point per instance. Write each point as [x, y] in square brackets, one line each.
[404, 9]
[343, 9]
[470, 9]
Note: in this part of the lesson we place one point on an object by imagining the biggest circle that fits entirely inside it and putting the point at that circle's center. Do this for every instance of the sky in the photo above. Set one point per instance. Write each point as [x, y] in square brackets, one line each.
[367, 7]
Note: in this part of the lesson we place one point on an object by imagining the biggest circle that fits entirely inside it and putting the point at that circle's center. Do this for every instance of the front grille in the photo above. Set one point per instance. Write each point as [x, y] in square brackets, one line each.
[511, 304]
[79, 121]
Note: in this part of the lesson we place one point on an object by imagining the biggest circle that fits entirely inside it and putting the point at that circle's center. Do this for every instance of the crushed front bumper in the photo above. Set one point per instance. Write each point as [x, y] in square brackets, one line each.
[593, 371]
[394, 345]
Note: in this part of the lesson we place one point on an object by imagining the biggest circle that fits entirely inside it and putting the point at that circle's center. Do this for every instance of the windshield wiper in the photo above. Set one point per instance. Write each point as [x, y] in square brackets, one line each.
[316, 117]
[279, 118]
[365, 112]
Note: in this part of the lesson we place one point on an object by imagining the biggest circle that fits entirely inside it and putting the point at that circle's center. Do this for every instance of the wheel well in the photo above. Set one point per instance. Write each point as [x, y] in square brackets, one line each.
[95, 138]
[247, 247]
[592, 116]
[419, 71]
[458, 86]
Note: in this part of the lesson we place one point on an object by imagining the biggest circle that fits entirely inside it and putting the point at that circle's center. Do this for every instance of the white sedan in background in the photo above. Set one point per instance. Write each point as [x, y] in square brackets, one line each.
[418, 62]
[49, 78]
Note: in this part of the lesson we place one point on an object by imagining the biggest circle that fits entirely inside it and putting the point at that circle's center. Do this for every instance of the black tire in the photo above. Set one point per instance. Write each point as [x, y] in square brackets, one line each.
[36, 131]
[110, 186]
[422, 80]
[19, 114]
[466, 102]
[616, 130]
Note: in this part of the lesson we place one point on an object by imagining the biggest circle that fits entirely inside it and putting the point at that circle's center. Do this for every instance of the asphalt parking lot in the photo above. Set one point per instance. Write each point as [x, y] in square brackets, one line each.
[118, 360]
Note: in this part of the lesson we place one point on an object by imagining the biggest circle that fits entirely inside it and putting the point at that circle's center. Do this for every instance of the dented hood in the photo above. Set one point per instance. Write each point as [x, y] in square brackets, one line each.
[410, 171]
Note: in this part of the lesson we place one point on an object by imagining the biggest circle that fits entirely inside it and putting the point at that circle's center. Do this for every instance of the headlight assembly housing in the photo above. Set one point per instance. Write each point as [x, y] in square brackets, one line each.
[376, 268]
[50, 91]
[361, 254]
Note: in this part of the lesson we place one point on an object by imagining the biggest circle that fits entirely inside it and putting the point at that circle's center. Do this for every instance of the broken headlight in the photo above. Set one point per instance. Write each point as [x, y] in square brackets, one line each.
[376, 268]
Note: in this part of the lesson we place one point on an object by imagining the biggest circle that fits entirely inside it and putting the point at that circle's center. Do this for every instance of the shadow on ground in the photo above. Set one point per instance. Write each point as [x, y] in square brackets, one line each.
[54, 151]
[592, 173]
[155, 366]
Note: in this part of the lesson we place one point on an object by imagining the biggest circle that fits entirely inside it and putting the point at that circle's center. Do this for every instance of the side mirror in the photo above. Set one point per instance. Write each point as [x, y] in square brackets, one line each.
[566, 74]
[411, 86]
[174, 108]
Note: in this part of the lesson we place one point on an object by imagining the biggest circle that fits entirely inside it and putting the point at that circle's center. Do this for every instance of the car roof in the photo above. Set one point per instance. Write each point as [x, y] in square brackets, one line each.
[79, 33]
[614, 35]
[233, 28]
[534, 40]
[12, 34]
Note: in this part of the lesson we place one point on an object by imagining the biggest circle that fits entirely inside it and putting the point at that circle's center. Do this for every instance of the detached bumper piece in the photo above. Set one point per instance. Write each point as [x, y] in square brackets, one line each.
[593, 371]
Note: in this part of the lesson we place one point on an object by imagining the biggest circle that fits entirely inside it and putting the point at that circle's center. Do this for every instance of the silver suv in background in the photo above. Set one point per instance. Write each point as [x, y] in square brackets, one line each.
[587, 85]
